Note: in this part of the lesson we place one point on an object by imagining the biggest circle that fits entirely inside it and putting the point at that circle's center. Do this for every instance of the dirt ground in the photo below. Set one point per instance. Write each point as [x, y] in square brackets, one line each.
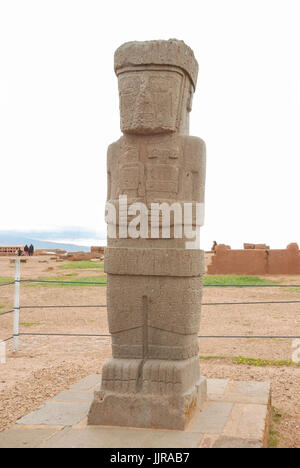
[45, 365]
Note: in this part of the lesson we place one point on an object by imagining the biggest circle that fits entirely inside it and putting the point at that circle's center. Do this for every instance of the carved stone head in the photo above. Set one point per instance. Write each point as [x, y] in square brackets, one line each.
[156, 82]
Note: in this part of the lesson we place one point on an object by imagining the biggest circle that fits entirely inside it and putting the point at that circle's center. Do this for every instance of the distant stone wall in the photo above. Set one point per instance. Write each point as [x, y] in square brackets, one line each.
[10, 250]
[255, 261]
[80, 256]
[39, 252]
[286, 262]
[256, 247]
[97, 250]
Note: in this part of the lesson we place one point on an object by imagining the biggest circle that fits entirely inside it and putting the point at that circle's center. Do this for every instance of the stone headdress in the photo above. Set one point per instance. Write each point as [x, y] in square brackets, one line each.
[172, 52]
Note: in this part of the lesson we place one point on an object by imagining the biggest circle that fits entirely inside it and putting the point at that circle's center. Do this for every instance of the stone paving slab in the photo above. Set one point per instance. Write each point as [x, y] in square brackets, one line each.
[88, 383]
[57, 414]
[232, 442]
[221, 441]
[24, 438]
[73, 395]
[247, 421]
[102, 437]
[248, 392]
[216, 388]
[236, 415]
[212, 419]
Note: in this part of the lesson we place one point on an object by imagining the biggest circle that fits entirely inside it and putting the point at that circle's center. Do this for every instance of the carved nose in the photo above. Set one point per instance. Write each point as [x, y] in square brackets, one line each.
[144, 97]
[144, 108]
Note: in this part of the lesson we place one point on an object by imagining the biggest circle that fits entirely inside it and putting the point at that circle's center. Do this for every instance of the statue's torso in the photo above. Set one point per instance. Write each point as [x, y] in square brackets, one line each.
[156, 169]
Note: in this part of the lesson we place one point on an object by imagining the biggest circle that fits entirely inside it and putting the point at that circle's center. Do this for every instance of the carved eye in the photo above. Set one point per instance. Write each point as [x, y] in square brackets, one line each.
[129, 85]
[126, 91]
[127, 100]
[159, 85]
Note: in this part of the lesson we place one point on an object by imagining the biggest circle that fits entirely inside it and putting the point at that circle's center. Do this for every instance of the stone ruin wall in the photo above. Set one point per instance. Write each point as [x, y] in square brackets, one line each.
[10, 251]
[255, 260]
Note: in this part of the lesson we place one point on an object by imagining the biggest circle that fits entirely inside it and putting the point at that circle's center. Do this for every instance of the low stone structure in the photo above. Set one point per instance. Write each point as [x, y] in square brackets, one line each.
[255, 260]
[284, 262]
[81, 256]
[97, 250]
[10, 250]
[41, 252]
[256, 247]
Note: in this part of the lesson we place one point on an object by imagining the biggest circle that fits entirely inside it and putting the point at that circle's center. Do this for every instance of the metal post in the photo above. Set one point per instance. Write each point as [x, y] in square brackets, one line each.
[17, 304]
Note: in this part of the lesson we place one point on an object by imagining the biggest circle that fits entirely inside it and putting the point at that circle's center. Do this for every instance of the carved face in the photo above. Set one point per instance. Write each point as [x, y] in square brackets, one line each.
[150, 101]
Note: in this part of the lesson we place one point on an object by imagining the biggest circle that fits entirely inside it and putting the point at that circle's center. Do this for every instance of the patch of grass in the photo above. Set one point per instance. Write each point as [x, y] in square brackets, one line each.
[29, 324]
[276, 416]
[208, 358]
[69, 282]
[236, 279]
[240, 360]
[257, 362]
[6, 279]
[70, 275]
[273, 438]
[273, 434]
[297, 290]
[82, 265]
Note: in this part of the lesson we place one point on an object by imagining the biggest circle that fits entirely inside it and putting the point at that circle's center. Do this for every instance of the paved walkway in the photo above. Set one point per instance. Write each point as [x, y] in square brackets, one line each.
[236, 415]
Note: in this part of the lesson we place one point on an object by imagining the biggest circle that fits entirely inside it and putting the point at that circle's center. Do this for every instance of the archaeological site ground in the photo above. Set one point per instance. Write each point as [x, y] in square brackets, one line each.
[47, 365]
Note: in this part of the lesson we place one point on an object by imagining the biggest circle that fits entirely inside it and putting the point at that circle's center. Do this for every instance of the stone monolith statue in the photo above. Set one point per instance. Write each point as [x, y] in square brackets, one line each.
[154, 282]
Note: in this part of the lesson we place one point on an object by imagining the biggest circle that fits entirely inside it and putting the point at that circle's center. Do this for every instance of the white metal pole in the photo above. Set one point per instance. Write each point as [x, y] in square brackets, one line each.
[17, 304]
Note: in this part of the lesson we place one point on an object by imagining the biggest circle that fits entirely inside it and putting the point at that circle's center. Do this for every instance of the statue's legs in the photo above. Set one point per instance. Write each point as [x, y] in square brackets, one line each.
[153, 379]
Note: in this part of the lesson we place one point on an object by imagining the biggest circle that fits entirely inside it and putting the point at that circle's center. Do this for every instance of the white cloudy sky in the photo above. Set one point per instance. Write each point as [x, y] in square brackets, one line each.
[59, 109]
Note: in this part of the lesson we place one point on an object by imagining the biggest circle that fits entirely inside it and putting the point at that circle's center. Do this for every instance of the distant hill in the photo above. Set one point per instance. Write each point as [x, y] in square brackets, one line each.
[71, 240]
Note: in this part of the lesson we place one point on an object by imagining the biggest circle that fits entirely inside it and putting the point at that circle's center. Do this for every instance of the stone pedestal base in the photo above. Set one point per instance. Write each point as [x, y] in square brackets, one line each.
[150, 393]
[146, 410]
[235, 415]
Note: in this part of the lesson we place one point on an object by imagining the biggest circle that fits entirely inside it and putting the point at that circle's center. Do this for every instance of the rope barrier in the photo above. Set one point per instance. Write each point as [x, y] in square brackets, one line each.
[64, 307]
[205, 285]
[199, 336]
[95, 283]
[5, 313]
[253, 337]
[251, 303]
[251, 286]
[60, 282]
[63, 334]
[6, 339]
[204, 304]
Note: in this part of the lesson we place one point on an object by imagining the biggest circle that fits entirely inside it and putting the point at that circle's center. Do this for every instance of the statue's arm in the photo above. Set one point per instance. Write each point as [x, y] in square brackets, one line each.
[108, 165]
[112, 169]
[195, 155]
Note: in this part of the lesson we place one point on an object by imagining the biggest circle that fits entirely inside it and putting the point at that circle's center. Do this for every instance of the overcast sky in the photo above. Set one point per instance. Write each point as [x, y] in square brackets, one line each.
[59, 109]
